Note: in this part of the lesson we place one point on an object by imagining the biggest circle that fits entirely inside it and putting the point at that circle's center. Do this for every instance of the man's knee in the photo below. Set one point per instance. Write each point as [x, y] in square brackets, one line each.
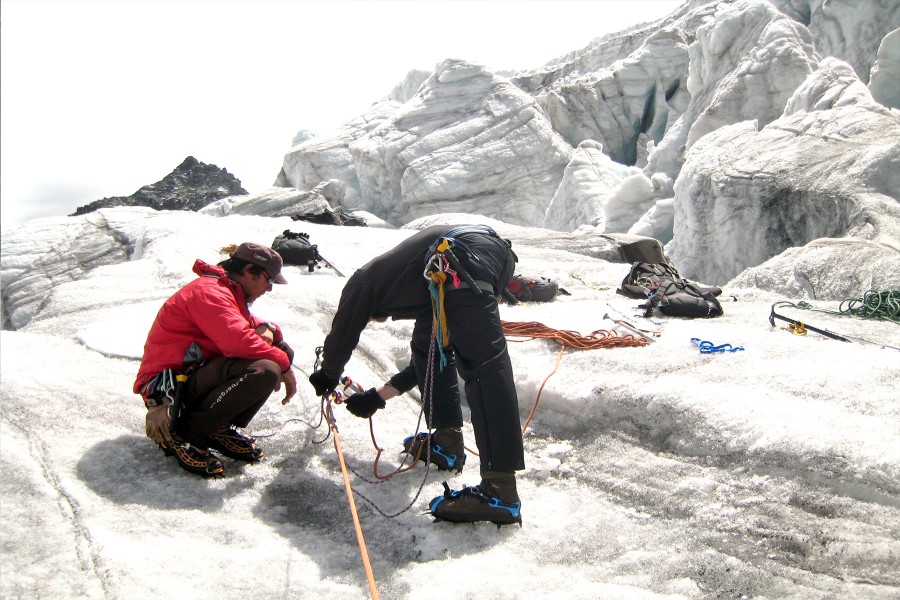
[267, 371]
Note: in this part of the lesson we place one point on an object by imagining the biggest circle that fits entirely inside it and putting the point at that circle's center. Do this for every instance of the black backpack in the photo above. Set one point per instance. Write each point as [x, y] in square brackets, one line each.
[528, 289]
[644, 278]
[667, 291]
[683, 299]
[295, 249]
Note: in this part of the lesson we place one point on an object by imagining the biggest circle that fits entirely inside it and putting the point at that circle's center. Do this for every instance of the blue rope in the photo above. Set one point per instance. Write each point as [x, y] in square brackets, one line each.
[709, 347]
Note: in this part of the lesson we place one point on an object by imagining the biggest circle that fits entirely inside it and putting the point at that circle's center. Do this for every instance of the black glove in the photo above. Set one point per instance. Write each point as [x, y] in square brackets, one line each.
[322, 382]
[364, 404]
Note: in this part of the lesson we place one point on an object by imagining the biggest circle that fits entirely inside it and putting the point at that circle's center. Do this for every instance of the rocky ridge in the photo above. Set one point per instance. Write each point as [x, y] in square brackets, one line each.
[191, 186]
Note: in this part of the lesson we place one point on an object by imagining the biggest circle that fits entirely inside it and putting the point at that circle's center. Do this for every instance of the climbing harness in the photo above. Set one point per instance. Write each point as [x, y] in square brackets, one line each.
[442, 263]
[171, 384]
[710, 348]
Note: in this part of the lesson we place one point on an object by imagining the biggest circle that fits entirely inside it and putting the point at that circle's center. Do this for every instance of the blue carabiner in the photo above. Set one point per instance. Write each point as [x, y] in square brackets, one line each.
[709, 347]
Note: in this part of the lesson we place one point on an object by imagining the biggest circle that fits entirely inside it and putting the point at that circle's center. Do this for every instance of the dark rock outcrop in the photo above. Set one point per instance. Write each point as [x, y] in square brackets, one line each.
[191, 186]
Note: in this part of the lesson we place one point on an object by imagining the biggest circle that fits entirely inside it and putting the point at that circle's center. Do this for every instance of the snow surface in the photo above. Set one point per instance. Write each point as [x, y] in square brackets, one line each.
[652, 472]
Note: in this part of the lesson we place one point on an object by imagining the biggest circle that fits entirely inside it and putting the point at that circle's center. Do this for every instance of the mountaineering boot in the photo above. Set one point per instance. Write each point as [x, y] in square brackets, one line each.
[232, 443]
[193, 459]
[448, 452]
[495, 500]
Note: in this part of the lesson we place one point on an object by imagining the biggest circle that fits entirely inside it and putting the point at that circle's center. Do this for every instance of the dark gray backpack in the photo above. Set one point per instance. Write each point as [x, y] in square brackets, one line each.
[665, 290]
[296, 249]
[530, 289]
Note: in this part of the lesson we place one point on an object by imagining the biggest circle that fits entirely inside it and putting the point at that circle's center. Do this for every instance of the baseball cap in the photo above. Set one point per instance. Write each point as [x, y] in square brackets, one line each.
[262, 256]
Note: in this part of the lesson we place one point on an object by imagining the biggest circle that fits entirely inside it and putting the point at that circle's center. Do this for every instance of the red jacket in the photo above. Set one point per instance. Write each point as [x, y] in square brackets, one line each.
[212, 311]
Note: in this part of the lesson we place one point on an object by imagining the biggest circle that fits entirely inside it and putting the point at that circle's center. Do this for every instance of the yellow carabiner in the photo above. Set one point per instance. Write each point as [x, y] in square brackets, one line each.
[798, 328]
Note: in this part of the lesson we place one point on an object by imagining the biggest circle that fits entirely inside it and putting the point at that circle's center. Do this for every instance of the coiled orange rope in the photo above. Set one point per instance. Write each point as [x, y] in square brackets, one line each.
[601, 338]
[532, 330]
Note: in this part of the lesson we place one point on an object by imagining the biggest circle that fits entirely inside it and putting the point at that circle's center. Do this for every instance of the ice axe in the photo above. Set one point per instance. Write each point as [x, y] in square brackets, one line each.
[329, 263]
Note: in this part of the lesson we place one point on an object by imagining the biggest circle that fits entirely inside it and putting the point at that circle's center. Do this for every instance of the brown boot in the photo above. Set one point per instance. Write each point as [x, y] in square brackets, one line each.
[194, 459]
[499, 484]
[447, 450]
[495, 499]
[232, 443]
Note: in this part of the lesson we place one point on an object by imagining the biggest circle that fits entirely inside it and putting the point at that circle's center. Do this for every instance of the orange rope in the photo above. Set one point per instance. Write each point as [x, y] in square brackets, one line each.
[359, 534]
[530, 330]
[537, 398]
[596, 339]
[600, 338]
[398, 470]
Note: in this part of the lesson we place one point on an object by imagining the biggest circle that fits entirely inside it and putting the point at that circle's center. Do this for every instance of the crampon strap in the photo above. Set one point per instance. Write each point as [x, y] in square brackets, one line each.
[514, 508]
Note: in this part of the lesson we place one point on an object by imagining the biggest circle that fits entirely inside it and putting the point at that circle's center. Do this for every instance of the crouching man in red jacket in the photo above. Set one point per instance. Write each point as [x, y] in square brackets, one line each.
[232, 359]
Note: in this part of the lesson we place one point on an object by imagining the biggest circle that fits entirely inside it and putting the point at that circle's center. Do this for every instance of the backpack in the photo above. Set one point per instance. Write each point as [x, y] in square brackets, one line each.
[528, 289]
[666, 290]
[295, 249]
[644, 278]
[683, 299]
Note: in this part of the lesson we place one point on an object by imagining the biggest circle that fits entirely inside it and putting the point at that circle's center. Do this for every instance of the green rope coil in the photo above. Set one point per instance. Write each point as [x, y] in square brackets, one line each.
[883, 306]
[875, 305]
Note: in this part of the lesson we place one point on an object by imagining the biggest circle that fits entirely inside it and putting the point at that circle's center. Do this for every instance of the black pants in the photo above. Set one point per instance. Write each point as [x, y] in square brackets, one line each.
[478, 352]
[223, 392]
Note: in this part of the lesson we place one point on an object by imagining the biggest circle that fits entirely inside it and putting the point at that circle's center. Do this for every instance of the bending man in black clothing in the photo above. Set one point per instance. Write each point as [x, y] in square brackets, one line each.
[470, 341]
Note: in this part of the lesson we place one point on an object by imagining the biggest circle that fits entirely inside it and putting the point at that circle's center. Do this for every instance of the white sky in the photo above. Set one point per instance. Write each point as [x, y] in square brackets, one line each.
[101, 98]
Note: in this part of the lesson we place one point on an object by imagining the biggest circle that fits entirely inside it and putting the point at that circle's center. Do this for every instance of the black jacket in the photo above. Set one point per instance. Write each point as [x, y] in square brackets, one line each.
[394, 285]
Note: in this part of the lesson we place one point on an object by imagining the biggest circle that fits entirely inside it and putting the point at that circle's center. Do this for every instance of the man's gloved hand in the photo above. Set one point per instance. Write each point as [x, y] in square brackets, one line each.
[322, 382]
[364, 404]
[157, 423]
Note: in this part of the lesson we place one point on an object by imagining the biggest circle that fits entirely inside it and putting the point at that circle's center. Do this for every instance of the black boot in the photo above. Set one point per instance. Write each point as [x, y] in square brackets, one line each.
[495, 500]
[447, 451]
[237, 445]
